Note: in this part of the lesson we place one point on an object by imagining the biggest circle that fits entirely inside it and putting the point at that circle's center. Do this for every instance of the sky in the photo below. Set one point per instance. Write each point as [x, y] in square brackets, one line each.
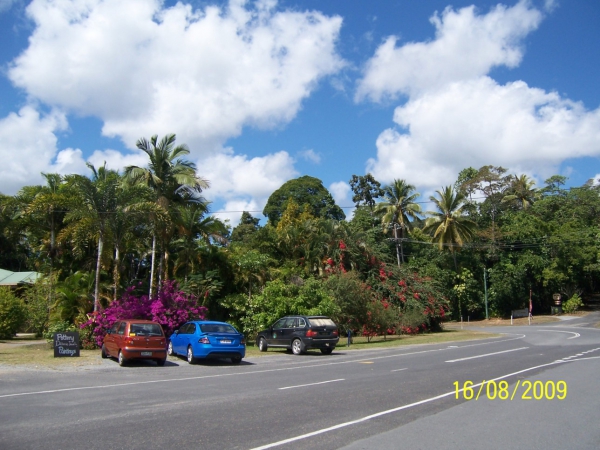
[266, 91]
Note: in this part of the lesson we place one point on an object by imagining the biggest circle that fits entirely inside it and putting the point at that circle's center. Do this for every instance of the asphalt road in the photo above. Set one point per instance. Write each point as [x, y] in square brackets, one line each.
[386, 398]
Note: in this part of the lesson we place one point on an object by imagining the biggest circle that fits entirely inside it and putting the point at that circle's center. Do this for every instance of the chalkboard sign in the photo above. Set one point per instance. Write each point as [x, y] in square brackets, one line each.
[66, 344]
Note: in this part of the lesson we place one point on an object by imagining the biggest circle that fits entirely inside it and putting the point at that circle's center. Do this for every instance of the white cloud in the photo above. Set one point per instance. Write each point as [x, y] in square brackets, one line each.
[311, 156]
[116, 160]
[456, 116]
[466, 46]
[243, 182]
[203, 74]
[29, 148]
[479, 122]
[340, 191]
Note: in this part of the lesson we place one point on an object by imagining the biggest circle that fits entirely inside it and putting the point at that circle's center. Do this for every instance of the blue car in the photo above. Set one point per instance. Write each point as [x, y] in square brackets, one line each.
[202, 339]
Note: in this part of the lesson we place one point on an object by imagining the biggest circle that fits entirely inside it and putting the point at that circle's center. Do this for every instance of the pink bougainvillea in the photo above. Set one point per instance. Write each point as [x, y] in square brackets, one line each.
[171, 308]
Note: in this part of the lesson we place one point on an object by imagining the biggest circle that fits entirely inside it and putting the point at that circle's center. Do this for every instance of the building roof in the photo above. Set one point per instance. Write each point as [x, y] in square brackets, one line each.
[8, 278]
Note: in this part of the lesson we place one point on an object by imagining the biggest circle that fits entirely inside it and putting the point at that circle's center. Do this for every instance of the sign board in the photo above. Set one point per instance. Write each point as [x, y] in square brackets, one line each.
[66, 344]
[520, 313]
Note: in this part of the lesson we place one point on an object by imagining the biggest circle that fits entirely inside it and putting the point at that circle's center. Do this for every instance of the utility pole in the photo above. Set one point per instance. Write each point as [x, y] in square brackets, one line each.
[396, 241]
[485, 291]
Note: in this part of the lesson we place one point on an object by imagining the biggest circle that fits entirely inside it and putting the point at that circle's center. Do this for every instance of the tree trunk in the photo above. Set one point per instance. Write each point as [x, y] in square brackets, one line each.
[98, 261]
[152, 265]
[116, 272]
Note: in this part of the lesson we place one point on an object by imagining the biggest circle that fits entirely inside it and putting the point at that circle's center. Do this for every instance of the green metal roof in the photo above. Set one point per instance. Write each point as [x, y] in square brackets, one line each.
[8, 278]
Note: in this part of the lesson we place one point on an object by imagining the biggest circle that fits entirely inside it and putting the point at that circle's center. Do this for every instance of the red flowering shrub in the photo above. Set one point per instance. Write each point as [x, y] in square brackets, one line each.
[170, 308]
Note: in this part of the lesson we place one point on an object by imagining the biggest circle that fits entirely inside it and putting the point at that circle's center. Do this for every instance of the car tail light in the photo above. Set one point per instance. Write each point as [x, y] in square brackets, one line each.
[129, 342]
[335, 332]
[204, 340]
[243, 341]
[311, 333]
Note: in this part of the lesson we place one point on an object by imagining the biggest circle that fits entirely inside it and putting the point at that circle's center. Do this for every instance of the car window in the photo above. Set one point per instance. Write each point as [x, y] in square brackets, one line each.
[191, 328]
[115, 327]
[216, 328]
[121, 329]
[321, 322]
[145, 329]
[301, 323]
[280, 323]
[290, 323]
[185, 328]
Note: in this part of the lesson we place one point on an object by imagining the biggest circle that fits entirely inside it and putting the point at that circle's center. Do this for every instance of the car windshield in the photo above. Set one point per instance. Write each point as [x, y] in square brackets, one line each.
[217, 328]
[145, 329]
[321, 322]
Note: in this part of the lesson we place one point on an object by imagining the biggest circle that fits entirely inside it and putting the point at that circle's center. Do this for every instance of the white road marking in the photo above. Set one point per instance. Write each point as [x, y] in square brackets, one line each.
[398, 370]
[393, 410]
[311, 384]
[569, 332]
[488, 354]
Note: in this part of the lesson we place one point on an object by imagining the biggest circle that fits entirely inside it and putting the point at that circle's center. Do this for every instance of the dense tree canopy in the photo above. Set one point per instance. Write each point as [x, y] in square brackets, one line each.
[93, 237]
[307, 192]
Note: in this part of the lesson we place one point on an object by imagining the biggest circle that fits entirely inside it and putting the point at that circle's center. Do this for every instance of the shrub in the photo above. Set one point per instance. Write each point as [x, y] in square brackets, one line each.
[171, 308]
[13, 313]
[58, 327]
[573, 304]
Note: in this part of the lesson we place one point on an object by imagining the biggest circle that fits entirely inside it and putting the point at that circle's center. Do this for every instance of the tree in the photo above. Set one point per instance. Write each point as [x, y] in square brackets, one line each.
[92, 210]
[449, 228]
[194, 226]
[172, 179]
[521, 192]
[398, 209]
[366, 189]
[304, 191]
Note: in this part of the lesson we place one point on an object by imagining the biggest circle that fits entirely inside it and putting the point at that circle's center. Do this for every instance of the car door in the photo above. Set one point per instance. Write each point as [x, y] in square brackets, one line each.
[287, 331]
[119, 336]
[274, 337]
[178, 339]
[109, 340]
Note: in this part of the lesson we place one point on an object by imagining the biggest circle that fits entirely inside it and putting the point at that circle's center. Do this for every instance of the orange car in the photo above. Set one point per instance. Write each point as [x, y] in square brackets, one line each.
[135, 339]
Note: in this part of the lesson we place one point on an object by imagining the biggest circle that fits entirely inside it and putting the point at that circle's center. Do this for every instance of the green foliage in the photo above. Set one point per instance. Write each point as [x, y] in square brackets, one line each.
[13, 313]
[304, 191]
[279, 299]
[573, 304]
[37, 300]
[352, 297]
[58, 327]
[469, 300]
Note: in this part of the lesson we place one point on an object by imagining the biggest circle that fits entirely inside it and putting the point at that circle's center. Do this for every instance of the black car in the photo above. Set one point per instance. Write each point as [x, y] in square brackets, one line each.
[300, 333]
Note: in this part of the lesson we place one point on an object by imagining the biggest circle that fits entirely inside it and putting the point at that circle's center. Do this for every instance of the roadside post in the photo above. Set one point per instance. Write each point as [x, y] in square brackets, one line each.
[349, 336]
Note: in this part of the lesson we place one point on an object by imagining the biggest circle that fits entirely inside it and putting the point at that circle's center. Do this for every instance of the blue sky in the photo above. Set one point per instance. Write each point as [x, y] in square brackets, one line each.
[266, 91]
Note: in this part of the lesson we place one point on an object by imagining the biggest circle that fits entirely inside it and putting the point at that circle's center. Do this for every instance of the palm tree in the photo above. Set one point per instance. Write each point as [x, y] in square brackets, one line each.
[522, 191]
[193, 226]
[173, 180]
[397, 210]
[93, 209]
[448, 226]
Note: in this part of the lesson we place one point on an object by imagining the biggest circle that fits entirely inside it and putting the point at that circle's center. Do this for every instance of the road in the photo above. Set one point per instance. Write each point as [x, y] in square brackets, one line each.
[381, 398]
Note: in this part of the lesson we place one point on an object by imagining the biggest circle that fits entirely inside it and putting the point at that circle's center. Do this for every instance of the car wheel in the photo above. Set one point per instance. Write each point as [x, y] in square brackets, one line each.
[190, 355]
[262, 345]
[297, 347]
[326, 351]
[103, 352]
[236, 359]
[170, 351]
[161, 362]
[121, 359]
